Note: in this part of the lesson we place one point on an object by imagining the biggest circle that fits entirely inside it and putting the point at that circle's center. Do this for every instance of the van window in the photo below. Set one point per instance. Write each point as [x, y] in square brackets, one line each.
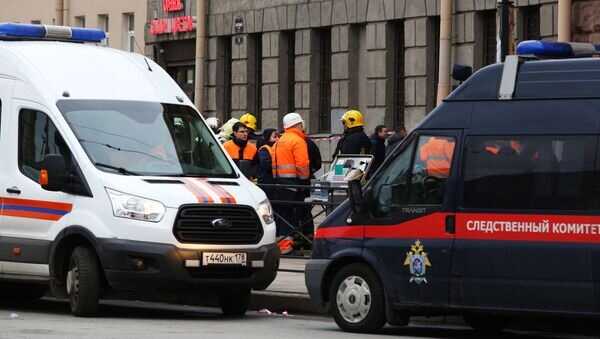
[415, 177]
[145, 138]
[38, 137]
[530, 172]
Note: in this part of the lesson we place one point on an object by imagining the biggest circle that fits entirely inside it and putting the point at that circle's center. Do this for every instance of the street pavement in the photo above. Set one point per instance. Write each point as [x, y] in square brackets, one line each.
[51, 319]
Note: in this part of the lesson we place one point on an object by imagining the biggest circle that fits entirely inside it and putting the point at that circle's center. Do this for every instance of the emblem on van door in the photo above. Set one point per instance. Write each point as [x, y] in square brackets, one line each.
[418, 261]
[221, 224]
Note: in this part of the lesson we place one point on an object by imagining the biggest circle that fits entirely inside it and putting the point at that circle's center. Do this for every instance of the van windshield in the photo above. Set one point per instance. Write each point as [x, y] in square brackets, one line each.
[145, 138]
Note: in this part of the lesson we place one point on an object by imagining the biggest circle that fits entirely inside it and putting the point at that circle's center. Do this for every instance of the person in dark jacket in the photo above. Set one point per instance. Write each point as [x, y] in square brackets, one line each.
[315, 163]
[354, 140]
[378, 143]
[265, 166]
[314, 156]
[395, 140]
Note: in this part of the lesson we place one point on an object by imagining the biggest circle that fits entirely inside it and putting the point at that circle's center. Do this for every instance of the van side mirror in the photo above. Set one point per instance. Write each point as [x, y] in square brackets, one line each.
[355, 193]
[53, 175]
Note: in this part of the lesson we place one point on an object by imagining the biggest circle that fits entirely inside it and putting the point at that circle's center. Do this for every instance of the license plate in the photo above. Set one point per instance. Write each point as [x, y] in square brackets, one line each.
[223, 259]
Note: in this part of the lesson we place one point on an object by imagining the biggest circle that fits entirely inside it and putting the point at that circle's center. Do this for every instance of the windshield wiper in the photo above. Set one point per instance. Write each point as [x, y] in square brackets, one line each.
[121, 170]
[122, 149]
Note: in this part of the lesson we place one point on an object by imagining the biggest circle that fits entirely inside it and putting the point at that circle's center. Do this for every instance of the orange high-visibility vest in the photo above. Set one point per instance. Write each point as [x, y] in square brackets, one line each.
[234, 151]
[290, 156]
[268, 148]
[437, 155]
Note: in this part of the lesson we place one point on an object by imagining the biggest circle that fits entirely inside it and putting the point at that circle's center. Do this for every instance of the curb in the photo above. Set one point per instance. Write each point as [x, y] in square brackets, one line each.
[290, 302]
[296, 303]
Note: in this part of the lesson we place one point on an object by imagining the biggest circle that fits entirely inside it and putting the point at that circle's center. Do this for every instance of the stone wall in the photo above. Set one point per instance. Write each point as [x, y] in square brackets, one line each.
[586, 21]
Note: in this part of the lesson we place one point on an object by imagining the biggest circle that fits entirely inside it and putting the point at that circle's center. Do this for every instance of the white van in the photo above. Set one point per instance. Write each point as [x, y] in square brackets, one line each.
[110, 181]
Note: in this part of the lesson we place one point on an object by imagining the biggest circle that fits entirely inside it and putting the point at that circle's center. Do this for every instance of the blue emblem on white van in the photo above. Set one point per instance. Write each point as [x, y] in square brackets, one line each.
[418, 261]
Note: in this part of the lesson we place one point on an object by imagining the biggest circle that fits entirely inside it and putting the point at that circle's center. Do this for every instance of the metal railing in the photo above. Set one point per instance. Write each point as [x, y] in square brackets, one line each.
[326, 205]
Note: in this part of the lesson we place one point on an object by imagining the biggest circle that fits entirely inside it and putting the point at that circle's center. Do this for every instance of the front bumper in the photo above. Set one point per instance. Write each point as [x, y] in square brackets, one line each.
[164, 267]
[314, 274]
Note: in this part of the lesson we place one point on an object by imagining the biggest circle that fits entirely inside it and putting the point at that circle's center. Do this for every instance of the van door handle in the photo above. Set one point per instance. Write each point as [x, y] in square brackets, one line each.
[450, 224]
[13, 190]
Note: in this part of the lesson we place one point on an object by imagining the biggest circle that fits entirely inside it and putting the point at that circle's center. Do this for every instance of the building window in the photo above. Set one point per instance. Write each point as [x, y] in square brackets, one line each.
[358, 56]
[530, 23]
[321, 73]
[129, 32]
[103, 24]
[80, 21]
[255, 76]
[395, 97]
[36, 22]
[287, 73]
[489, 37]
[433, 59]
[223, 95]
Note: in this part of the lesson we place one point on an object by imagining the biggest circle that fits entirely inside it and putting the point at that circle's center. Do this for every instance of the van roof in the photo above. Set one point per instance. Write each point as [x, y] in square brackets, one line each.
[536, 79]
[84, 71]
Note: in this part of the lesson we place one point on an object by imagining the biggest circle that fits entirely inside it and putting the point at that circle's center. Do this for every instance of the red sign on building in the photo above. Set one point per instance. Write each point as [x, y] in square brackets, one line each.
[172, 5]
[172, 25]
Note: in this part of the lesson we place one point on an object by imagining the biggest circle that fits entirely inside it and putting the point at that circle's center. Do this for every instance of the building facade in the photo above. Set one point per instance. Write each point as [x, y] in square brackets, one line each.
[320, 58]
[124, 21]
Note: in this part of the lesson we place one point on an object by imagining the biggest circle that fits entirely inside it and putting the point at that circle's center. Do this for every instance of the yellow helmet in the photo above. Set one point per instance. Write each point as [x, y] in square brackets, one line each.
[352, 119]
[249, 120]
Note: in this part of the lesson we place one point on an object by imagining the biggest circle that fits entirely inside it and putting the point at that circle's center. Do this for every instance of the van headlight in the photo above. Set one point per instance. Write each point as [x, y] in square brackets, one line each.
[137, 208]
[265, 211]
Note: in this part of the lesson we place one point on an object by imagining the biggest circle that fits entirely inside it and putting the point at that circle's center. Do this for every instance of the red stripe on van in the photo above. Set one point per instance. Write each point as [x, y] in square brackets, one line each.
[480, 226]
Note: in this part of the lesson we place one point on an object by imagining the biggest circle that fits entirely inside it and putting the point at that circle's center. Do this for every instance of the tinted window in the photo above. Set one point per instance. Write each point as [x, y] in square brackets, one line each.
[38, 137]
[530, 172]
[415, 177]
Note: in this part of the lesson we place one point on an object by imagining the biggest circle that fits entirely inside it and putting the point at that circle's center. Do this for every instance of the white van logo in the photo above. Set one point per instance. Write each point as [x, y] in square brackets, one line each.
[221, 224]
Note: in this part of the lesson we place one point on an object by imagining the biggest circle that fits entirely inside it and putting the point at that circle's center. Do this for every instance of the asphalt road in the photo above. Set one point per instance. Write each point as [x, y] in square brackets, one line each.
[51, 319]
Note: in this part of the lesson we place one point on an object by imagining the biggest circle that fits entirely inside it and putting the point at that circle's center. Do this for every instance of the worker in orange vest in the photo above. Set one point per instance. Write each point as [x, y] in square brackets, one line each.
[291, 166]
[436, 154]
[243, 153]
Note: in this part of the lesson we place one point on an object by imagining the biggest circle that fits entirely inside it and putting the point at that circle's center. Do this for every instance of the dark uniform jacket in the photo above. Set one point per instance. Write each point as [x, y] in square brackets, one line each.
[354, 141]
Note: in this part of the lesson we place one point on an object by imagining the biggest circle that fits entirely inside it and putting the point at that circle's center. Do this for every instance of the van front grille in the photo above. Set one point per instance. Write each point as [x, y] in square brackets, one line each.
[194, 224]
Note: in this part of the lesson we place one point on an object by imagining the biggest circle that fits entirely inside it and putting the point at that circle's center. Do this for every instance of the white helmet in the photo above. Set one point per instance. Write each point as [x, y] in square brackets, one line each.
[292, 119]
[213, 123]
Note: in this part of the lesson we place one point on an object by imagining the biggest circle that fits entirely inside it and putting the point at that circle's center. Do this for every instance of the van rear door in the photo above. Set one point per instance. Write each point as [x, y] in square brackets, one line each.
[410, 224]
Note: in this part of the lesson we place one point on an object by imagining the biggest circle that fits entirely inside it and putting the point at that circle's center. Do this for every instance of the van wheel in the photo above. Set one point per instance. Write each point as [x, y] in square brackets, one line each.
[486, 324]
[357, 300]
[235, 303]
[13, 292]
[83, 282]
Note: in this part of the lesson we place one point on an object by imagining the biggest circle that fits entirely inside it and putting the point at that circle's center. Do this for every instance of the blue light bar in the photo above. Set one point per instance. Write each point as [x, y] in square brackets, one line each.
[41, 32]
[550, 49]
[88, 34]
[22, 30]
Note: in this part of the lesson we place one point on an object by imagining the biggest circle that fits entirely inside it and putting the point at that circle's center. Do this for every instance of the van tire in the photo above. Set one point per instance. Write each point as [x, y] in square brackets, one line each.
[83, 282]
[486, 323]
[373, 293]
[235, 303]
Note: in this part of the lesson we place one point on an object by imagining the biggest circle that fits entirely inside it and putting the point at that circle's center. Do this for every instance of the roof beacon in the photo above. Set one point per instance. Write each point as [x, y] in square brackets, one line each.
[48, 32]
[550, 49]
